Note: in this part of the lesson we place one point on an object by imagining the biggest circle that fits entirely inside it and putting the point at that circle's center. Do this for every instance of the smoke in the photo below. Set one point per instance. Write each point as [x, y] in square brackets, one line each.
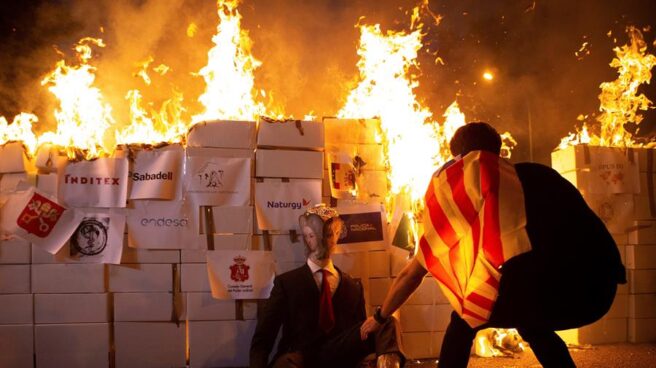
[308, 50]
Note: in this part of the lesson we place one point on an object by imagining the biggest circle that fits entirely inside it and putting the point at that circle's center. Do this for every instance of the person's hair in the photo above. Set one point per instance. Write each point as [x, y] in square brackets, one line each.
[476, 136]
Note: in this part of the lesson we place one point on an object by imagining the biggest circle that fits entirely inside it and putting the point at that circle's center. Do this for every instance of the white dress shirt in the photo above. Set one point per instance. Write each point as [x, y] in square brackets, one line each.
[333, 275]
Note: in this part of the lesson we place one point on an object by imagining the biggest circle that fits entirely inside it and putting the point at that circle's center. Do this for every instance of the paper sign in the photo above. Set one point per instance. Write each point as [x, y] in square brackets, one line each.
[99, 237]
[240, 274]
[33, 216]
[364, 228]
[611, 171]
[615, 210]
[224, 181]
[157, 174]
[99, 183]
[342, 175]
[279, 204]
[162, 225]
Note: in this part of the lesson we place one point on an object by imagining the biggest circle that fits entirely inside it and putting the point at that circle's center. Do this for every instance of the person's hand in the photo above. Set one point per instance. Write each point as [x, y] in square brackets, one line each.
[369, 326]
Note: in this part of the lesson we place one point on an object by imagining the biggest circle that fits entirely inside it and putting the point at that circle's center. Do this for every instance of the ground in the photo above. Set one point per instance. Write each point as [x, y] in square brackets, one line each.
[616, 356]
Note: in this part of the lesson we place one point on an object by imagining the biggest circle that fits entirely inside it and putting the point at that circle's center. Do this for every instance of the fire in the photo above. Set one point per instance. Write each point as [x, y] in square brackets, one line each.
[83, 117]
[386, 91]
[229, 71]
[165, 125]
[620, 102]
[20, 129]
[494, 342]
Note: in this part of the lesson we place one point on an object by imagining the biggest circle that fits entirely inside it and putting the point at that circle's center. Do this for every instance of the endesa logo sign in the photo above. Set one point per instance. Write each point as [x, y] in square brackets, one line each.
[289, 204]
[164, 222]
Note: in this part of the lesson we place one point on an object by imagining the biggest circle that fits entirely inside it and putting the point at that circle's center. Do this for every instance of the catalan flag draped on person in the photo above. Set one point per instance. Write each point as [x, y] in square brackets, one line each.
[474, 222]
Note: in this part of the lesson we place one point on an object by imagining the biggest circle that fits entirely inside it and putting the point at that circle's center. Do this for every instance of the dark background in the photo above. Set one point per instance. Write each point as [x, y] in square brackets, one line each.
[308, 49]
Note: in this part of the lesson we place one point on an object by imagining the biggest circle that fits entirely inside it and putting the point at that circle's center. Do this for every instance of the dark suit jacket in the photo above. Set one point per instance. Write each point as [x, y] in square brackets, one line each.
[294, 305]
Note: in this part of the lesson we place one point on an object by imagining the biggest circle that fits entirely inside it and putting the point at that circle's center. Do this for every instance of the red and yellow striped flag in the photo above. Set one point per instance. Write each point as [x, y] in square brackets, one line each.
[474, 221]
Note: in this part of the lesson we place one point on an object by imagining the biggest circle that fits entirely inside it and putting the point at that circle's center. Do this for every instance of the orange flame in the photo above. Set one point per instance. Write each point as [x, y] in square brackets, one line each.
[83, 117]
[620, 102]
[19, 130]
[229, 94]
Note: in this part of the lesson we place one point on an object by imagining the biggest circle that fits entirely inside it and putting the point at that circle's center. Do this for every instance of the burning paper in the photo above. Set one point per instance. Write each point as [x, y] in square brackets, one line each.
[239, 274]
[99, 237]
[13, 158]
[342, 174]
[279, 204]
[98, 183]
[220, 180]
[33, 216]
[162, 225]
[156, 174]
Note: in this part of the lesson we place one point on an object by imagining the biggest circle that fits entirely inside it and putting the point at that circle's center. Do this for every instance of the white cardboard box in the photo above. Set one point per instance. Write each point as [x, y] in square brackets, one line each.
[68, 278]
[13, 158]
[291, 134]
[194, 277]
[640, 257]
[378, 289]
[220, 344]
[604, 331]
[352, 130]
[288, 164]
[222, 134]
[48, 183]
[71, 308]
[14, 251]
[619, 308]
[17, 342]
[231, 220]
[643, 232]
[642, 330]
[149, 344]
[72, 345]
[141, 278]
[133, 255]
[15, 309]
[422, 345]
[355, 264]
[379, 264]
[221, 242]
[202, 307]
[193, 256]
[423, 318]
[144, 307]
[14, 279]
[642, 305]
[642, 281]
[428, 293]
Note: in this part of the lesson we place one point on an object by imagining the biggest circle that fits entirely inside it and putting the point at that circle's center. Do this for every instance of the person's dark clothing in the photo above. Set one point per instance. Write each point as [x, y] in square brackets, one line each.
[294, 305]
[567, 280]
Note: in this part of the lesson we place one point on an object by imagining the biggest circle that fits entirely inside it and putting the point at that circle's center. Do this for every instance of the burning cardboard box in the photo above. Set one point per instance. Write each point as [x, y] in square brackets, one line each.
[14, 159]
[222, 134]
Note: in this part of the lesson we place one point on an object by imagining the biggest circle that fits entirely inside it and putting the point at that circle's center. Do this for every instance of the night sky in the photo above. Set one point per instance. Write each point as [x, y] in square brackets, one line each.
[308, 50]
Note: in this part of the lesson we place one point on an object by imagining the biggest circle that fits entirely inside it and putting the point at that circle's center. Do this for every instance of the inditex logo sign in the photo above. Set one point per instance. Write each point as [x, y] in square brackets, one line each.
[289, 204]
[136, 176]
[164, 222]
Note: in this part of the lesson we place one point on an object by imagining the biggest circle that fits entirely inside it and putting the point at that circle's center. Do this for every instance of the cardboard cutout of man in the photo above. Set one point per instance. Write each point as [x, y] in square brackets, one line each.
[566, 278]
[320, 309]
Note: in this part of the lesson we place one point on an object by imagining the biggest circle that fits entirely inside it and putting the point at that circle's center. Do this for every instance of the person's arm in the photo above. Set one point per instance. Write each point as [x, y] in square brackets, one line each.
[406, 282]
[268, 324]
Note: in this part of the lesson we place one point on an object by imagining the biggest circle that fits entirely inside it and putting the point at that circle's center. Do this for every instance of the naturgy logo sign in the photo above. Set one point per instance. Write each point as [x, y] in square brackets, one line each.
[290, 204]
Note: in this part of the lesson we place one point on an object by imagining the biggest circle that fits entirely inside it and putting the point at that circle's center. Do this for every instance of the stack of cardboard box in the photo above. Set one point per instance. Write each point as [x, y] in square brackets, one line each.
[618, 185]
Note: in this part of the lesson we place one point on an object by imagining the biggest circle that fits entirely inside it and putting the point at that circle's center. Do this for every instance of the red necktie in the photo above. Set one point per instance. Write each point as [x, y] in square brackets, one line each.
[326, 314]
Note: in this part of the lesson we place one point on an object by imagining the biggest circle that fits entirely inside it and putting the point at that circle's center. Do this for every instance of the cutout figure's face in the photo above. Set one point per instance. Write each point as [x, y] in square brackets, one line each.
[320, 240]
[310, 238]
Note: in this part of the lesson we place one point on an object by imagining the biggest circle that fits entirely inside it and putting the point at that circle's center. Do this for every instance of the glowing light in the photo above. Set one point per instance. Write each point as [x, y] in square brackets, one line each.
[20, 129]
[488, 76]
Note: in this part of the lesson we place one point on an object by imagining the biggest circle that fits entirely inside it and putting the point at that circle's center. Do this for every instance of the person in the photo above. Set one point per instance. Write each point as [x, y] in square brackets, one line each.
[563, 276]
[320, 309]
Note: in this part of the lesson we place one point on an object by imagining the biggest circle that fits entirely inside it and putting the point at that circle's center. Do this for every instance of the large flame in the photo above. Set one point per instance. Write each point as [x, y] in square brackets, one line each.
[20, 129]
[620, 102]
[83, 117]
[386, 91]
[229, 94]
